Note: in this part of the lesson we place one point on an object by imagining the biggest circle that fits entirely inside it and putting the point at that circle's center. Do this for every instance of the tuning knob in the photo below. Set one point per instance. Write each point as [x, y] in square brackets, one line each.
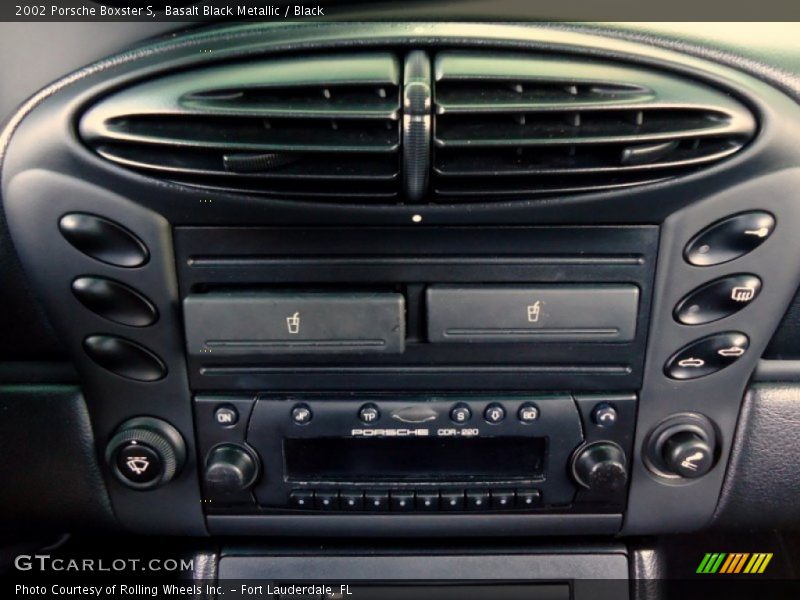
[601, 467]
[230, 469]
[145, 453]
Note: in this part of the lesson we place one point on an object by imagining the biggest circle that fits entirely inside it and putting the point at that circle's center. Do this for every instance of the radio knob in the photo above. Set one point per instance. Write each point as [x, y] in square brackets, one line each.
[601, 467]
[230, 469]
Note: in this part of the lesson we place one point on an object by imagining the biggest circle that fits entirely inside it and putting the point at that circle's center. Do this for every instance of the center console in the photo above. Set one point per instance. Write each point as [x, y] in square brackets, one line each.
[430, 345]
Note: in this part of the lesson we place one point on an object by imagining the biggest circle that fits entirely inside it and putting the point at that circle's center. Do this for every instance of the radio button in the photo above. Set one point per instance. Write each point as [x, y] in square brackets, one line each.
[452, 500]
[427, 500]
[369, 414]
[351, 500]
[494, 413]
[528, 413]
[303, 499]
[402, 501]
[376, 500]
[477, 500]
[301, 414]
[529, 498]
[503, 499]
[226, 416]
[604, 415]
[326, 500]
[460, 414]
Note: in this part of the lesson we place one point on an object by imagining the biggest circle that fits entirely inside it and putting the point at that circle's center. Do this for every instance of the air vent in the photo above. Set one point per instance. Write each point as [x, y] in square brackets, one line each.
[314, 127]
[524, 126]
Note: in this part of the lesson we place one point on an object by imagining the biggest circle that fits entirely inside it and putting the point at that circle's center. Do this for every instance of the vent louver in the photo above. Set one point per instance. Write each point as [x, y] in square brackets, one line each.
[504, 126]
[524, 126]
[312, 127]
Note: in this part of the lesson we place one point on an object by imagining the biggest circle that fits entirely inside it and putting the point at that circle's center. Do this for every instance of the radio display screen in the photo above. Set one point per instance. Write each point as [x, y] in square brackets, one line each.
[414, 459]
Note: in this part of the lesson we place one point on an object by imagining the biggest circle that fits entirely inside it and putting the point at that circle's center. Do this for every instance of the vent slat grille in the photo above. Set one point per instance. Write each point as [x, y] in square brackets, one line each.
[296, 167]
[589, 128]
[313, 127]
[249, 134]
[516, 125]
[501, 126]
[518, 97]
[595, 159]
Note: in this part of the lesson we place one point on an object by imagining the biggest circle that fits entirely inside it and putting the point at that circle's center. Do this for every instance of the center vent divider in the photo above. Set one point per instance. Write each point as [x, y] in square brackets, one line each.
[525, 125]
[318, 127]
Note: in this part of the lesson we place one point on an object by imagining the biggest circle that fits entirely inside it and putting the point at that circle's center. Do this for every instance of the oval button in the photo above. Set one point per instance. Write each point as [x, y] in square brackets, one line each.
[124, 357]
[103, 240]
[114, 301]
[718, 299]
[729, 239]
[707, 355]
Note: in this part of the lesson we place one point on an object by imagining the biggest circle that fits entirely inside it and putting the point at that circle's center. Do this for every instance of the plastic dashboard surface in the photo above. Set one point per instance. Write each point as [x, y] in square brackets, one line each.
[47, 173]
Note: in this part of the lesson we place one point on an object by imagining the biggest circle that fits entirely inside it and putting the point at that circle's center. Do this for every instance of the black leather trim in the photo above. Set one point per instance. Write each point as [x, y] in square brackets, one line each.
[647, 570]
[785, 344]
[206, 566]
[27, 334]
[51, 479]
[762, 483]
[30, 372]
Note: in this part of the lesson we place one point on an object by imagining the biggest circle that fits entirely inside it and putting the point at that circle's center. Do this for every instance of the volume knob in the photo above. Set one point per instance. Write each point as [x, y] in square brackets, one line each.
[601, 467]
[230, 469]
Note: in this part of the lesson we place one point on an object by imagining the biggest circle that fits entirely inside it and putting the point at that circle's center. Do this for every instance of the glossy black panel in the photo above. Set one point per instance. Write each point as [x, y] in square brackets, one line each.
[103, 240]
[124, 358]
[115, 301]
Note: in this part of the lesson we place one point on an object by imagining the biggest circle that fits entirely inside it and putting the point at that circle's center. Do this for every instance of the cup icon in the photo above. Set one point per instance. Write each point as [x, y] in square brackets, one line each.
[293, 323]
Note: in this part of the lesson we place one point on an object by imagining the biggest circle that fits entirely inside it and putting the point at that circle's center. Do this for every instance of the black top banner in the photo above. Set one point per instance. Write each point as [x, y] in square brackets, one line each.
[408, 10]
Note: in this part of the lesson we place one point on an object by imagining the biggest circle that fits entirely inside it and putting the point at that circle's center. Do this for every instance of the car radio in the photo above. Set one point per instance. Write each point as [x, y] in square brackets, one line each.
[390, 453]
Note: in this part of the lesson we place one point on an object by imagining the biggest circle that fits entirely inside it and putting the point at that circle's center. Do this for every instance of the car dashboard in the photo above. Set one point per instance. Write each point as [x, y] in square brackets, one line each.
[409, 282]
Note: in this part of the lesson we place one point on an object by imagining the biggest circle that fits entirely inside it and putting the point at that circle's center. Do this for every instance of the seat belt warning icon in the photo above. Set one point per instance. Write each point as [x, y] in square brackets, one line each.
[293, 323]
